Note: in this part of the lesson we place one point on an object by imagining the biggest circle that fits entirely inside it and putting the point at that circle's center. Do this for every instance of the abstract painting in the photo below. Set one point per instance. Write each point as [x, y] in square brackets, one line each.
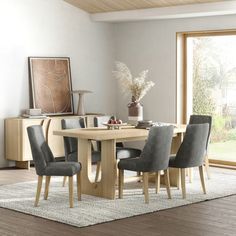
[51, 87]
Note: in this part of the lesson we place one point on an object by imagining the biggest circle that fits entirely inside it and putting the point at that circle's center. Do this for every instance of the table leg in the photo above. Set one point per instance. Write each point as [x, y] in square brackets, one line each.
[109, 168]
[88, 186]
[106, 186]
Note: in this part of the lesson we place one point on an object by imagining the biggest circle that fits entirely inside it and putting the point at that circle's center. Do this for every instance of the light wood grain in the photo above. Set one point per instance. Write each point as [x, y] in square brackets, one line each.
[207, 167]
[38, 192]
[105, 134]
[167, 182]
[145, 186]
[121, 183]
[97, 6]
[71, 197]
[47, 183]
[23, 164]
[201, 172]
[157, 181]
[183, 184]
[78, 176]
[109, 168]
[64, 181]
[17, 145]
[98, 170]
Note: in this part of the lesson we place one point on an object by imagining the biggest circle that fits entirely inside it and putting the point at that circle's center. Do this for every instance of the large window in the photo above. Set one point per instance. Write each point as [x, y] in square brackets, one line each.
[210, 61]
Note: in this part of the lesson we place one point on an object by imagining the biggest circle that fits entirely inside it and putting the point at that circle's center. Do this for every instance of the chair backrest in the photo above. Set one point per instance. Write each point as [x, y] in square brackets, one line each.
[41, 152]
[192, 150]
[157, 148]
[98, 122]
[70, 144]
[202, 119]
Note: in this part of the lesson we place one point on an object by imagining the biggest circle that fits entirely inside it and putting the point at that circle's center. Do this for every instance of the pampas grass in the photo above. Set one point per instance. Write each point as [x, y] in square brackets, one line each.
[137, 87]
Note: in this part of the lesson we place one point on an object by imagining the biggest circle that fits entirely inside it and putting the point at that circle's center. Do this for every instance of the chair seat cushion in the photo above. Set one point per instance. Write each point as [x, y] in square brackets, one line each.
[126, 152]
[135, 164]
[96, 156]
[62, 168]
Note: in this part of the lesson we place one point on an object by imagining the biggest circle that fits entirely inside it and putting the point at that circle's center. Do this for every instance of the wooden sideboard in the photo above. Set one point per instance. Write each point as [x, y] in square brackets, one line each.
[17, 147]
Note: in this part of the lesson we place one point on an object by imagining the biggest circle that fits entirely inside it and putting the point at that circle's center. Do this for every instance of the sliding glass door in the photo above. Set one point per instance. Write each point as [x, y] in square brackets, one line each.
[211, 89]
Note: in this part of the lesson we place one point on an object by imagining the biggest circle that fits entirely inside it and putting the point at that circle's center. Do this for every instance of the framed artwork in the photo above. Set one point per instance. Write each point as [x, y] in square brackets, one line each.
[50, 83]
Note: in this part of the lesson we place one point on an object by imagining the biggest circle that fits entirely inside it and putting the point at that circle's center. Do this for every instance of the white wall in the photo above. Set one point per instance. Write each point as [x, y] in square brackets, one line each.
[52, 28]
[152, 45]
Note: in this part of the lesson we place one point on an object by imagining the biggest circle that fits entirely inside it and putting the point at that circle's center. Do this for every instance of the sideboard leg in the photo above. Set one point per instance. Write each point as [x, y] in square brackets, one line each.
[23, 164]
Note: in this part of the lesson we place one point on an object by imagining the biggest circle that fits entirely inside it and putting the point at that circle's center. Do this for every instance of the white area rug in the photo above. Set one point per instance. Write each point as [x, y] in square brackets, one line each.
[93, 210]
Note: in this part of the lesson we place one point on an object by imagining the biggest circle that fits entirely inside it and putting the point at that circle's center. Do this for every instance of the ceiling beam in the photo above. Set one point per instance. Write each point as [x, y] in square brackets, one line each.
[191, 10]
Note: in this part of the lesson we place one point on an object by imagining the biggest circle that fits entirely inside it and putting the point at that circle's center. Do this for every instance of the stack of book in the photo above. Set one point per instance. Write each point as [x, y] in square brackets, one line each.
[34, 114]
[144, 124]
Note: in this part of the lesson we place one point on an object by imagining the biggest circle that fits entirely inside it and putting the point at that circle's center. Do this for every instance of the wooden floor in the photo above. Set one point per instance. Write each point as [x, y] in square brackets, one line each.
[215, 217]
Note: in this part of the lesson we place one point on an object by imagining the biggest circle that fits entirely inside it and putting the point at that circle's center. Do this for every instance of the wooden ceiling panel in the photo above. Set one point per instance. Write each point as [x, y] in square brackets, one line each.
[98, 6]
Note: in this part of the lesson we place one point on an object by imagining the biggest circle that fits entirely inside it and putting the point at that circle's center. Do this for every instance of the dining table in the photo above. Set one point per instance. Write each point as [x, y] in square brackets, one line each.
[106, 186]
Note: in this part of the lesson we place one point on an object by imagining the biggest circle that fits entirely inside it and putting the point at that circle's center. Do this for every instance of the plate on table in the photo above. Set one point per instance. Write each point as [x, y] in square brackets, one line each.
[115, 126]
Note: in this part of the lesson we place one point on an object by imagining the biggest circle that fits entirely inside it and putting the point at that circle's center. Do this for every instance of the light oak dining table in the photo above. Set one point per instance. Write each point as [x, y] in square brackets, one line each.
[106, 187]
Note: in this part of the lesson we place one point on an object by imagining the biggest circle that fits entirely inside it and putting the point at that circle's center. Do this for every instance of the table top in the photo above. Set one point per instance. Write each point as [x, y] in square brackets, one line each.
[128, 132]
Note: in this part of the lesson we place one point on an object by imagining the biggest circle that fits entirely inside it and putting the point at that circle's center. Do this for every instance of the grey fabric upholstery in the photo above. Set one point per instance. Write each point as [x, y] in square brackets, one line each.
[99, 120]
[70, 144]
[202, 119]
[60, 169]
[192, 150]
[121, 151]
[156, 152]
[43, 158]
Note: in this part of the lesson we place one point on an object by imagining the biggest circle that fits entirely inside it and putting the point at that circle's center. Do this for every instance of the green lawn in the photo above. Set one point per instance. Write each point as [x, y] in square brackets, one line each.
[223, 151]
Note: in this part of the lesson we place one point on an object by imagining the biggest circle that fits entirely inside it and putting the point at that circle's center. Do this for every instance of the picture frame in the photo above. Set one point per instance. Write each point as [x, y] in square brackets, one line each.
[50, 85]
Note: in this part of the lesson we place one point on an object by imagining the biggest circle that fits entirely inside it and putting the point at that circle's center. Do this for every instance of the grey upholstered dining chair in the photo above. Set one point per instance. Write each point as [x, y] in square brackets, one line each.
[121, 151]
[154, 158]
[46, 165]
[191, 153]
[71, 145]
[202, 119]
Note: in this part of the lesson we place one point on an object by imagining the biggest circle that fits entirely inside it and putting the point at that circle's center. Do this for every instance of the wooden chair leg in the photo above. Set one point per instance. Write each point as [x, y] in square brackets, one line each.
[183, 184]
[190, 171]
[39, 187]
[179, 178]
[201, 172]
[121, 183]
[145, 186]
[71, 192]
[157, 180]
[64, 181]
[79, 185]
[98, 170]
[207, 167]
[47, 187]
[167, 182]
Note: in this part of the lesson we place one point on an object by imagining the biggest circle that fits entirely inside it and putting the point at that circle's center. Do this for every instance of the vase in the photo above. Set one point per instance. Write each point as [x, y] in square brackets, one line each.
[135, 112]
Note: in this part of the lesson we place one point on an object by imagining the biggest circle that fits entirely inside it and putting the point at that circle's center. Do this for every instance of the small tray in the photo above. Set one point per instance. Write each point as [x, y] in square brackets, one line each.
[115, 126]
